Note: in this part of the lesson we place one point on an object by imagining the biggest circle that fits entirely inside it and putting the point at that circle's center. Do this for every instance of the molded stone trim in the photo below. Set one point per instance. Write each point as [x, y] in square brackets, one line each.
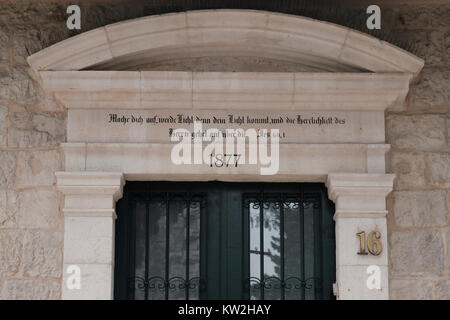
[89, 214]
[226, 32]
[91, 183]
[151, 161]
[359, 184]
[360, 206]
[227, 90]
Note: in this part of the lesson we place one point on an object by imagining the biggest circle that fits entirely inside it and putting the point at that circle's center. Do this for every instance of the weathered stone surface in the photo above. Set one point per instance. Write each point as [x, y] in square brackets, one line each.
[34, 13]
[43, 254]
[8, 208]
[447, 45]
[16, 289]
[410, 289]
[413, 16]
[46, 105]
[409, 169]
[25, 44]
[448, 129]
[16, 85]
[432, 90]
[416, 253]
[31, 40]
[4, 40]
[417, 132]
[10, 252]
[39, 209]
[7, 168]
[427, 44]
[431, 47]
[30, 129]
[420, 208]
[438, 165]
[37, 168]
[3, 126]
[448, 234]
[439, 15]
[442, 291]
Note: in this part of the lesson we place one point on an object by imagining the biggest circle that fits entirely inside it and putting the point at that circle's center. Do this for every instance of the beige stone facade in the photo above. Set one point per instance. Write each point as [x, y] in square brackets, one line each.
[39, 136]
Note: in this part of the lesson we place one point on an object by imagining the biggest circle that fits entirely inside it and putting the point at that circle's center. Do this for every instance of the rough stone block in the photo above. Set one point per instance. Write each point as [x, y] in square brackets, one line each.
[30, 129]
[16, 85]
[447, 45]
[43, 254]
[417, 132]
[3, 126]
[401, 289]
[448, 234]
[432, 90]
[39, 209]
[409, 169]
[439, 15]
[413, 16]
[37, 168]
[10, 252]
[416, 253]
[7, 168]
[8, 208]
[420, 208]
[427, 44]
[16, 289]
[442, 291]
[31, 40]
[438, 167]
[448, 129]
[4, 40]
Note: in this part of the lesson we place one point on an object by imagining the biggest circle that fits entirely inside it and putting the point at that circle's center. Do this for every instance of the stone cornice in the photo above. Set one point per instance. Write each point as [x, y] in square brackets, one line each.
[90, 183]
[225, 90]
[359, 185]
[226, 32]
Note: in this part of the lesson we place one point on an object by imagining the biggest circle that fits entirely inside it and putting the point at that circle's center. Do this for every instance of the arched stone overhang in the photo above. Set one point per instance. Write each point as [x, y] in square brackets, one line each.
[226, 33]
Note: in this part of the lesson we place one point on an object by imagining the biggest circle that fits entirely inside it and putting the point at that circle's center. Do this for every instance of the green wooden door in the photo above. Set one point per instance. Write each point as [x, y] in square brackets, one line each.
[224, 241]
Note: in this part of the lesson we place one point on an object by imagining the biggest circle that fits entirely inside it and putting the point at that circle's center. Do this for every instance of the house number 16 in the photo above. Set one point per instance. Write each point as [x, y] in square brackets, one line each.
[373, 243]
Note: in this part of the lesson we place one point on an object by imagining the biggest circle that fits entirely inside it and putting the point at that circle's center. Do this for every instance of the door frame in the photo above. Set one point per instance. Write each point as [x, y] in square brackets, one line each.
[82, 74]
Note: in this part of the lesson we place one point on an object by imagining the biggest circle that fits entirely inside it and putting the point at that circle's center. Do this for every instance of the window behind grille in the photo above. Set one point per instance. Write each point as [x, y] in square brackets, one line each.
[216, 240]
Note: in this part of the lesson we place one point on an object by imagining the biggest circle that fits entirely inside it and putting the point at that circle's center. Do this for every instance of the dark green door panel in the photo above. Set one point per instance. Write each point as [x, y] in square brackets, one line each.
[224, 240]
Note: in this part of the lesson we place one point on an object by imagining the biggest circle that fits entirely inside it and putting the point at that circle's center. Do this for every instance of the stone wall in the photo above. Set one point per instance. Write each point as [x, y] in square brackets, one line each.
[418, 224]
[32, 127]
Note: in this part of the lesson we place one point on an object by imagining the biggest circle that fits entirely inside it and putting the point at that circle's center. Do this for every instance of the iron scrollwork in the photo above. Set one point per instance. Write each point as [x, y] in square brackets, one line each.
[172, 284]
[289, 283]
[292, 201]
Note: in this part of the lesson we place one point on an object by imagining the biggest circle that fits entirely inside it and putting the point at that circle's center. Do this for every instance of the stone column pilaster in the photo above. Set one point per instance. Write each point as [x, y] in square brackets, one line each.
[360, 201]
[89, 212]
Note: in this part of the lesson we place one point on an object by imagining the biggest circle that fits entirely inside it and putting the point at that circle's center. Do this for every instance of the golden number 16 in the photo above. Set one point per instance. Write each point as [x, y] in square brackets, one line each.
[373, 243]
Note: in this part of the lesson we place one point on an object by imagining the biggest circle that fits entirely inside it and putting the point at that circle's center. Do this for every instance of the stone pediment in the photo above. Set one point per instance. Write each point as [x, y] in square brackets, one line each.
[221, 33]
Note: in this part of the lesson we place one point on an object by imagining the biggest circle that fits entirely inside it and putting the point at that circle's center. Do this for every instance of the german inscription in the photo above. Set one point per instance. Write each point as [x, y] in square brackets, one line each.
[140, 126]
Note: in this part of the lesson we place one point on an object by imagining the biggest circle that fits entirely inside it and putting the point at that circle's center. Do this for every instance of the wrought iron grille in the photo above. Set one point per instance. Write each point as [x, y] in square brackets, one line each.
[164, 246]
[284, 248]
[217, 240]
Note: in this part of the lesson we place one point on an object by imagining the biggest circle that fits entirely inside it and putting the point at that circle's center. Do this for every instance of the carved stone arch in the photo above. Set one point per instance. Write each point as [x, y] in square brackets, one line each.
[100, 71]
[226, 33]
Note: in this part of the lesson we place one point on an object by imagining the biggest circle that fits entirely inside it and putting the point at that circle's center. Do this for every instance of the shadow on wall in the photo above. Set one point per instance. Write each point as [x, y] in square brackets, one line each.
[100, 12]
